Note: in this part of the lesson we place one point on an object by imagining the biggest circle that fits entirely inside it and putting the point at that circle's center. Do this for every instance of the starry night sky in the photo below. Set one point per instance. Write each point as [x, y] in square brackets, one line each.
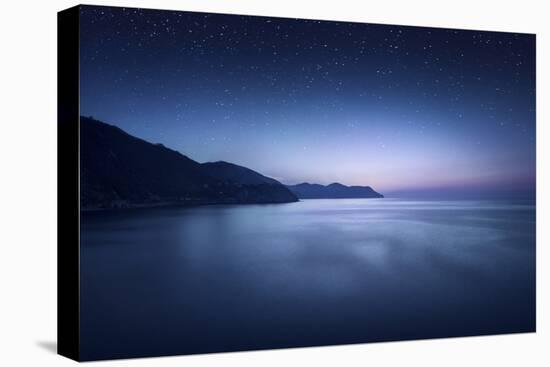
[398, 108]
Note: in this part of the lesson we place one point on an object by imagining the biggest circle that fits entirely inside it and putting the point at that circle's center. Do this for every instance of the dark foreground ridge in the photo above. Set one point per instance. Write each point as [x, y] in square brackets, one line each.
[332, 191]
[118, 170]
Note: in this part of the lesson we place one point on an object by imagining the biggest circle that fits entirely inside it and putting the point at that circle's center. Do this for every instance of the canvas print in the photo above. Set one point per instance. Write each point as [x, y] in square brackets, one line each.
[251, 182]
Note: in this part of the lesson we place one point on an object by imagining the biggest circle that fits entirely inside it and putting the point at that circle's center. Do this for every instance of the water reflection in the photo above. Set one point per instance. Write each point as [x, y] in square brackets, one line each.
[190, 280]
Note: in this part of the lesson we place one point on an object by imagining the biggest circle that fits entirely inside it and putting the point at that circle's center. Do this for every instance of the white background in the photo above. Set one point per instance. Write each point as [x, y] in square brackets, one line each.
[28, 183]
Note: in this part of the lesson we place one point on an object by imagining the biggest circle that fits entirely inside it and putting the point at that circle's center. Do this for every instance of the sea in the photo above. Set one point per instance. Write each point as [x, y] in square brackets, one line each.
[185, 280]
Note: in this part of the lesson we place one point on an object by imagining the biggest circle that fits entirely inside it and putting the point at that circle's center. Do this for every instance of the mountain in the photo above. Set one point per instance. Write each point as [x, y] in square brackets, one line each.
[231, 172]
[253, 185]
[120, 170]
[333, 191]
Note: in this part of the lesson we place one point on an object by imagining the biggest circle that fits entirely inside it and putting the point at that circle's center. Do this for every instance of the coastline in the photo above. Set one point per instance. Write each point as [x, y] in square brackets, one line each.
[175, 203]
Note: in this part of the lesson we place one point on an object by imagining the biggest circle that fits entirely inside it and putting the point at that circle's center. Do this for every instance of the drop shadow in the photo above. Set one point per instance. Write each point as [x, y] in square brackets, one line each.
[50, 346]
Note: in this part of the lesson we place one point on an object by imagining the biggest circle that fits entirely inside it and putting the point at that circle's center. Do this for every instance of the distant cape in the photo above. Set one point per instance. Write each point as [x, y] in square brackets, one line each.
[333, 191]
[118, 170]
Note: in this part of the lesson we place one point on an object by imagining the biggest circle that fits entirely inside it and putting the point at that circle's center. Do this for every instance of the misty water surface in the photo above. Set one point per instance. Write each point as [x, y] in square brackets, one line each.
[218, 278]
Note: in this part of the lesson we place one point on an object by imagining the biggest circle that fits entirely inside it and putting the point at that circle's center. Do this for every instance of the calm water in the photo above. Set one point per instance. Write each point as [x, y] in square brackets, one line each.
[192, 280]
